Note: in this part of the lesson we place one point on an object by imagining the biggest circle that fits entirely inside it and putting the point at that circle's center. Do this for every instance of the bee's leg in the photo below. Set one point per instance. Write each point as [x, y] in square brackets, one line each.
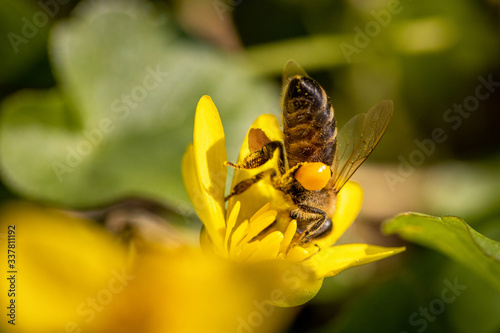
[323, 229]
[245, 184]
[312, 222]
[260, 157]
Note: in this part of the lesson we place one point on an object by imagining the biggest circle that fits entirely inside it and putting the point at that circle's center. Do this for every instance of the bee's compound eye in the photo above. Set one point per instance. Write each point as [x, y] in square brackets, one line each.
[313, 176]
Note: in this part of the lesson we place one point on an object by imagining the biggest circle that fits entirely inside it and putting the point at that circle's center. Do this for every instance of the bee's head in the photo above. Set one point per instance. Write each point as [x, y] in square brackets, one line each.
[313, 176]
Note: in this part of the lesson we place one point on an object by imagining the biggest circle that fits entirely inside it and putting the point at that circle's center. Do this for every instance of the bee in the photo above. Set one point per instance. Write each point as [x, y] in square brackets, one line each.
[315, 160]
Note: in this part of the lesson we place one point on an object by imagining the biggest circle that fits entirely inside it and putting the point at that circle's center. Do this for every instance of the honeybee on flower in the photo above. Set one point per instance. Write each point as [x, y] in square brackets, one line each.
[252, 228]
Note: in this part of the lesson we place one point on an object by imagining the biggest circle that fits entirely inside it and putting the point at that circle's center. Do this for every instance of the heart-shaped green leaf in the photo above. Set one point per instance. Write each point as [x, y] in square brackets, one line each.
[453, 237]
[121, 115]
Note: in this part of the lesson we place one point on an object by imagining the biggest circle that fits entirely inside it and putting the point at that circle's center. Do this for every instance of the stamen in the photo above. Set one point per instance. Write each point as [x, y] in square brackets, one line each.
[231, 221]
[287, 239]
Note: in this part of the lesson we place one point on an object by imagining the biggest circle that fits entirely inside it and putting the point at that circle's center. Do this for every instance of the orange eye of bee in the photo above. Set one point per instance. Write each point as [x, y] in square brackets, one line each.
[313, 176]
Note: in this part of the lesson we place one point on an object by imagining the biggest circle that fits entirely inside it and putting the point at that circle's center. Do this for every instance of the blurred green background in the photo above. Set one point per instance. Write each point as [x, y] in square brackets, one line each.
[98, 102]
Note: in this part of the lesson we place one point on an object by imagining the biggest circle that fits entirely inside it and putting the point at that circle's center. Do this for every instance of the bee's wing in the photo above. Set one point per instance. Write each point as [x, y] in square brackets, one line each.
[357, 139]
[292, 69]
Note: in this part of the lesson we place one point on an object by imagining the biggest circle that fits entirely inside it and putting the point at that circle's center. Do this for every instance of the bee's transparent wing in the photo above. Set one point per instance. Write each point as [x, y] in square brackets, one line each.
[357, 139]
[292, 69]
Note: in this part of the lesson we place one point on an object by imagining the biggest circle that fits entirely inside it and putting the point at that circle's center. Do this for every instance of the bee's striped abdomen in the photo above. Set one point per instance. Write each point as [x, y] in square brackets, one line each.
[308, 122]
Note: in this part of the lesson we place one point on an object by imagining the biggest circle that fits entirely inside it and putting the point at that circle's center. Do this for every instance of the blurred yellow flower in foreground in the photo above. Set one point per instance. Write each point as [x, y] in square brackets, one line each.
[71, 275]
[237, 233]
[61, 264]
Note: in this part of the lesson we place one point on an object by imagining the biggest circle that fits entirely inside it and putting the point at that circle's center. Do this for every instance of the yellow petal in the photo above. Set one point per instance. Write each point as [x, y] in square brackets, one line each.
[209, 150]
[262, 192]
[349, 202]
[189, 175]
[292, 283]
[332, 261]
[195, 193]
[206, 242]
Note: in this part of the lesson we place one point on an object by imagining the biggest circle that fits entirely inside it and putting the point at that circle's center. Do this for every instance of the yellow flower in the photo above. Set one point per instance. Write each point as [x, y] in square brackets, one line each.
[235, 233]
[70, 275]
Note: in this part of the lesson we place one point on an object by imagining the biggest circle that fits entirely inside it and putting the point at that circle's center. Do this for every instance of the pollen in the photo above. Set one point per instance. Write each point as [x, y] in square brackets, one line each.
[313, 176]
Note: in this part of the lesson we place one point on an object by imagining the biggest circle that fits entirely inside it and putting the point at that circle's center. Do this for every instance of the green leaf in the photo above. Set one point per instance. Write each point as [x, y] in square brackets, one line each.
[122, 113]
[453, 237]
